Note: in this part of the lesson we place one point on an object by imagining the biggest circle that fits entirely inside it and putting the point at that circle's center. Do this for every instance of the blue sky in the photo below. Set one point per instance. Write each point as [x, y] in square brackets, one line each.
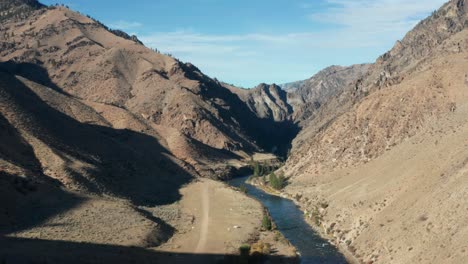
[246, 42]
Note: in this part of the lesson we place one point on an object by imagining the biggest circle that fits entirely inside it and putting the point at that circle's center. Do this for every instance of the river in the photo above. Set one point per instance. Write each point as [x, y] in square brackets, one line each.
[290, 222]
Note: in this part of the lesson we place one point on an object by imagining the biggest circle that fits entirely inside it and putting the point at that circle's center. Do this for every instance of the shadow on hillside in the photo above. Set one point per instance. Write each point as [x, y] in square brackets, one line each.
[14, 148]
[30, 71]
[124, 163]
[270, 135]
[25, 251]
[26, 202]
[212, 153]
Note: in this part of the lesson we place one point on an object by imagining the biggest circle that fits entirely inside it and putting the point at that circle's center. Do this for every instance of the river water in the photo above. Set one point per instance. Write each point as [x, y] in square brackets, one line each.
[290, 222]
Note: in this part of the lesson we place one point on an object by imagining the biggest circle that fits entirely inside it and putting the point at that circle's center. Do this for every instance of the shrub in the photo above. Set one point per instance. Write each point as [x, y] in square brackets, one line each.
[316, 216]
[243, 188]
[260, 248]
[273, 180]
[266, 222]
[277, 182]
[256, 169]
[244, 249]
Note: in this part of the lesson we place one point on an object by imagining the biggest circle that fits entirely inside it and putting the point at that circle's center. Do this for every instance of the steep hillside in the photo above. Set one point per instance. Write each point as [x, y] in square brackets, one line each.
[361, 133]
[66, 140]
[270, 102]
[74, 188]
[67, 174]
[206, 123]
[390, 159]
[100, 134]
[267, 101]
[323, 87]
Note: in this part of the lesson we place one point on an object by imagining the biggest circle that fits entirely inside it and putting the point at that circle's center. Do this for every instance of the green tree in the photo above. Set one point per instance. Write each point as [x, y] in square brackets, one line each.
[266, 222]
[260, 169]
[277, 182]
[256, 169]
[273, 180]
[281, 180]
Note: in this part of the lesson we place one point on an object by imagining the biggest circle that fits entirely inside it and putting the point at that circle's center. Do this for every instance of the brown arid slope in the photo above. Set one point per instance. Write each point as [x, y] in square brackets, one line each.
[102, 140]
[75, 188]
[387, 178]
[78, 56]
[67, 175]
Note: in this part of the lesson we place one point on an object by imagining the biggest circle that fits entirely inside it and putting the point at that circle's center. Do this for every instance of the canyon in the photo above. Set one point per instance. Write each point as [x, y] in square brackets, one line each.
[109, 146]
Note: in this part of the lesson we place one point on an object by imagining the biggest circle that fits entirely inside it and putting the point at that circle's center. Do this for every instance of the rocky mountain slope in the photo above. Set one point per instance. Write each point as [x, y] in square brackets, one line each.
[323, 87]
[98, 136]
[67, 174]
[204, 122]
[270, 102]
[267, 101]
[390, 159]
[92, 121]
[292, 85]
[304, 102]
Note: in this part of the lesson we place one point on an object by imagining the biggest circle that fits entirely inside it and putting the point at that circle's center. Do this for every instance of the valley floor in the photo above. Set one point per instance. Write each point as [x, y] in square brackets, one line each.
[208, 225]
[216, 219]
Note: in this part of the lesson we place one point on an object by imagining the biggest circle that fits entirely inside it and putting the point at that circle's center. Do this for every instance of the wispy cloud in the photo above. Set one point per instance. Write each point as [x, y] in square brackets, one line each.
[125, 25]
[376, 16]
[356, 31]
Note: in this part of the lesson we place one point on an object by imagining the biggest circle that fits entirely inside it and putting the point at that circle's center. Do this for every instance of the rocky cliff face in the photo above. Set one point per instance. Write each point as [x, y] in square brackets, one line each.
[322, 88]
[274, 113]
[291, 86]
[267, 101]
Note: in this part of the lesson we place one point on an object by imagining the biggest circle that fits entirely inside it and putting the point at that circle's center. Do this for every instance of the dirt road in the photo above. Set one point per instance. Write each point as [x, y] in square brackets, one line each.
[204, 220]
[215, 219]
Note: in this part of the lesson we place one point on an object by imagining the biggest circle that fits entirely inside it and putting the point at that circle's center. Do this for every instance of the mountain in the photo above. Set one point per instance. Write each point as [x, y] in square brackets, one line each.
[308, 97]
[267, 101]
[62, 162]
[204, 123]
[270, 103]
[391, 158]
[100, 134]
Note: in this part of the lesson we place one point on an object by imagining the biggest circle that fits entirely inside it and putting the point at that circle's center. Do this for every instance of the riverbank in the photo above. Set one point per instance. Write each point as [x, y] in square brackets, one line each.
[291, 222]
[308, 215]
[217, 219]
